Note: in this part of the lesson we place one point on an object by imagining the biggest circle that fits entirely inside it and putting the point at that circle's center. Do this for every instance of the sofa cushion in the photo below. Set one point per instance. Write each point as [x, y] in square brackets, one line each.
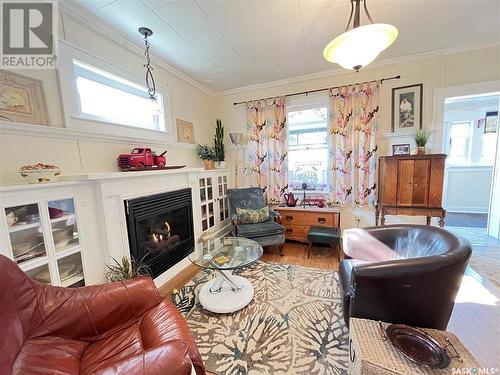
[250, 216]
[361, 245]
[266, 228]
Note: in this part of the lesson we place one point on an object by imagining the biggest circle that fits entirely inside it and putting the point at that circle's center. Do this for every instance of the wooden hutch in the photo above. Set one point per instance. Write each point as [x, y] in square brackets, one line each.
[411, 185]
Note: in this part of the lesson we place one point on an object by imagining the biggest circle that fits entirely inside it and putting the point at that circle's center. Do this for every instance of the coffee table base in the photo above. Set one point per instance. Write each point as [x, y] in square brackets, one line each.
[219, 297]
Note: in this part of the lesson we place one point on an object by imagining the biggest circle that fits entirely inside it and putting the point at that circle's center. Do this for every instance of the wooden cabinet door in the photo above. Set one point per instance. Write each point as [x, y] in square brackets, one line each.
[389, 182]
[436, 183]
[421, 182]
[405, 182]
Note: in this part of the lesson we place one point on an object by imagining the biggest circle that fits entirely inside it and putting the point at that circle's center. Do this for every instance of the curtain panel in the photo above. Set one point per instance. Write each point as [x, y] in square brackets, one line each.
[353, 124]
[267, 146]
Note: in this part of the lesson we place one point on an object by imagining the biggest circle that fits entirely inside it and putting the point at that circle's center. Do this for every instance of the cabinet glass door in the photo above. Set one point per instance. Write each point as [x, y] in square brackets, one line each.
[223, 201]
[207, 203]
[25, 232]
[63, 224]
[40, 274]
[70, 270]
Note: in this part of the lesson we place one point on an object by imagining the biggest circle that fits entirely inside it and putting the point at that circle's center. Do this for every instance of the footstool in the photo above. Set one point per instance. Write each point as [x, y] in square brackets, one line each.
[325, 235]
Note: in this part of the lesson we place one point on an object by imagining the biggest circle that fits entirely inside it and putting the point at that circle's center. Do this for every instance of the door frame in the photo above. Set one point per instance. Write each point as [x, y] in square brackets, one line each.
[439, 133]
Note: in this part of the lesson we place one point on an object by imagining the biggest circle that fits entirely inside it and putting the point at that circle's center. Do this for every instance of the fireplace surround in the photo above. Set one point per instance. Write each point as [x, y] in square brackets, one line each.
[160, 228]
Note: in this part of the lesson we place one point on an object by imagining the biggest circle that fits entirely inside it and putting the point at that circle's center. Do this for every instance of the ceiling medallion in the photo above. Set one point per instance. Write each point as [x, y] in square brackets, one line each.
[358, 47]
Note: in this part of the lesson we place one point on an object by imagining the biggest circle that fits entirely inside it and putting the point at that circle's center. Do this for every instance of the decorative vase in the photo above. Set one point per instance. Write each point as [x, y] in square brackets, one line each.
[421, 150]
[209, 164]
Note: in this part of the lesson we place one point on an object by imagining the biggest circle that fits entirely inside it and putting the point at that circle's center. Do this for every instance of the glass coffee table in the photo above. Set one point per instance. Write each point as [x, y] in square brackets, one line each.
[227, 292]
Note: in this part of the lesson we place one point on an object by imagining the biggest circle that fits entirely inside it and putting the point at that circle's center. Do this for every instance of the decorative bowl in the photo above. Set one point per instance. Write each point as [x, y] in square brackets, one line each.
[41, 176]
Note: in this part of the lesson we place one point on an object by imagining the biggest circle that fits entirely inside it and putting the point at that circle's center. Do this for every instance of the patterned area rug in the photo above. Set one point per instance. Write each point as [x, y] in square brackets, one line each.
[293, 326]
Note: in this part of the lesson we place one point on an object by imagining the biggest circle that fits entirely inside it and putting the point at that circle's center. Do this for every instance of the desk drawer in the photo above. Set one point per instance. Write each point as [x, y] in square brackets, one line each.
[326, 219]
[296, 232]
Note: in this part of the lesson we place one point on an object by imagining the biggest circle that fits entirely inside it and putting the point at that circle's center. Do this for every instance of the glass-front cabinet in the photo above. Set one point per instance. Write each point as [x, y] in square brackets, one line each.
[44, 241]
[213, 199]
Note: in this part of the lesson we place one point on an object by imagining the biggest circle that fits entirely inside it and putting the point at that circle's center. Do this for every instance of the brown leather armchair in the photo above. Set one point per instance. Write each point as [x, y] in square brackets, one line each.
[415, 285]
[118, 328]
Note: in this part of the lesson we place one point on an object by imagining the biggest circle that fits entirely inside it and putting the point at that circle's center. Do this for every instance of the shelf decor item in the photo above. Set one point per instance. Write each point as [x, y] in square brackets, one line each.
[142, 158]
[421, 138]
[40, 173]
[219, 145]
[22, 99]
[407, 108]
[401, 149]
[207, 154]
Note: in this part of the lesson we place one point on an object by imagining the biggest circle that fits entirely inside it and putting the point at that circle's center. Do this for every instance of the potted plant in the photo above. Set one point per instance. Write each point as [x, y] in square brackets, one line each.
[207, 154]
[421, 138]
[219, 145]
[126, 269]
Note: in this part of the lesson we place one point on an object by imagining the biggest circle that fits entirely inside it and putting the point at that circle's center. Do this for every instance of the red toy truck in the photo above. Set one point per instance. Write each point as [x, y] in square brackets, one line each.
[142, 158]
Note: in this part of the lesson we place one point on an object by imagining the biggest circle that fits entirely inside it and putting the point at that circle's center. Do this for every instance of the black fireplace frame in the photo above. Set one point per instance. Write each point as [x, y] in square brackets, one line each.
[143, 207]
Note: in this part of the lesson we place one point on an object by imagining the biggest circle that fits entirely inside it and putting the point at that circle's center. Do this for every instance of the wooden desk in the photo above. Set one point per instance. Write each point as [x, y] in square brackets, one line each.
[297, 220]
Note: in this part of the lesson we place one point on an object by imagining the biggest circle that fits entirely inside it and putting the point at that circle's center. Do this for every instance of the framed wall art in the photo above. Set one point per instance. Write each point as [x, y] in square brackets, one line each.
[185, 131]
[401, 149]
[491, 122]
[407, 108]
[22, 99]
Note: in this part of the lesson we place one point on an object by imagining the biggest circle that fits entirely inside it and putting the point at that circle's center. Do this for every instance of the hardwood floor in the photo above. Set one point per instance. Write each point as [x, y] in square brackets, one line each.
[475, 319]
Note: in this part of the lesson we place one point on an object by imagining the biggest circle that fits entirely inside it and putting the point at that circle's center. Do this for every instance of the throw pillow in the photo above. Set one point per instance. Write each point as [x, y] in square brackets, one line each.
[249, 216]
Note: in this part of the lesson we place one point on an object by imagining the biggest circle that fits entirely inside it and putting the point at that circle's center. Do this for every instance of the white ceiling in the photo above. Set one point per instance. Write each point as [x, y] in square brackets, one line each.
[225, 44]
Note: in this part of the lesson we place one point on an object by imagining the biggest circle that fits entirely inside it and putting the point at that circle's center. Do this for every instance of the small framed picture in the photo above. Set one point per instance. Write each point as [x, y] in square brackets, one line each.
[491, 122]
[402, 149]
[407, 108]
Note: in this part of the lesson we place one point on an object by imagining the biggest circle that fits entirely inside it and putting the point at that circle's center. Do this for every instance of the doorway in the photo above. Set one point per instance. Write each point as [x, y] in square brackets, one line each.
[470, 141]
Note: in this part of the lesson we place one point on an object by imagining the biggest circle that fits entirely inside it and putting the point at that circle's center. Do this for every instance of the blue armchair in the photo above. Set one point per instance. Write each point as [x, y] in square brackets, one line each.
[267, 233]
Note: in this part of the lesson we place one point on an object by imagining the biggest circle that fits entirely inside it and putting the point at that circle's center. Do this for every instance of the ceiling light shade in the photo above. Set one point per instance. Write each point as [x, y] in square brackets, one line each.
[359, 46]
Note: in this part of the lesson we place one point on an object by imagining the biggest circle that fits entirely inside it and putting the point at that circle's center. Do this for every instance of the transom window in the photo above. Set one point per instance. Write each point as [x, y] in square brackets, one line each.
[106, 97]
[308, 148]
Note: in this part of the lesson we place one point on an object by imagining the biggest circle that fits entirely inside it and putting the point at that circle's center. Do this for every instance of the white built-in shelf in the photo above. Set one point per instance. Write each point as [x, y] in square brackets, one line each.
[72, 280]
[119, 175]
[20, 227]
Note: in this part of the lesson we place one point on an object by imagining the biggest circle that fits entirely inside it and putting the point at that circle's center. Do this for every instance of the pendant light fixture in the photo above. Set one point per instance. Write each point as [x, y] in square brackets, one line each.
[150, 81]
[359, 46]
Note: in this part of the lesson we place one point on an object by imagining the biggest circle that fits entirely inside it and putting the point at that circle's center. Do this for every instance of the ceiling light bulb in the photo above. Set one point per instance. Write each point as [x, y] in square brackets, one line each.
[358, 47]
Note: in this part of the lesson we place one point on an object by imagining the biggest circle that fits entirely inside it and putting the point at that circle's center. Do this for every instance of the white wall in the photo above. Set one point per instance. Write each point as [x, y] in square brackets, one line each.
[77, 153]
[434, 72]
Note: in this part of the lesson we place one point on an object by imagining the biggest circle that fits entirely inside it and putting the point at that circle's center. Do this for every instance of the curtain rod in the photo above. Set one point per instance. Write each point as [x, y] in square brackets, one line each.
[319, 90]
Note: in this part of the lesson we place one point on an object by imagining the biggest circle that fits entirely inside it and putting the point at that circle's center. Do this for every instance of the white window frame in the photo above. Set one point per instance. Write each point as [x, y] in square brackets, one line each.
[467, 157]
[77, 120]
[302, 104]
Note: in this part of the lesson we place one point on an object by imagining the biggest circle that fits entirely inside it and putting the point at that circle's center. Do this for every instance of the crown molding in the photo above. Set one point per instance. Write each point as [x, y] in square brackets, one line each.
[372, 66]
[97, 25]
[30, 130]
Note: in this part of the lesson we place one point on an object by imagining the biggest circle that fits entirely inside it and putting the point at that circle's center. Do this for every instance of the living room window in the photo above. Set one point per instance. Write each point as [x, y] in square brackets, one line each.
[106, 97]
[308, 147]
[459, 142]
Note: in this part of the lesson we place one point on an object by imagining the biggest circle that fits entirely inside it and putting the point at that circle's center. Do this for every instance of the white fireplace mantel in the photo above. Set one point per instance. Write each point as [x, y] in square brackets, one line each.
[113, 189]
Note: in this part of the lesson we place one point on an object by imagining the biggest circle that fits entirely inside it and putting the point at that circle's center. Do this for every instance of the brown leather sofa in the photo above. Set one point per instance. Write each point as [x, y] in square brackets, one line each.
[416, 285]
[118, 328]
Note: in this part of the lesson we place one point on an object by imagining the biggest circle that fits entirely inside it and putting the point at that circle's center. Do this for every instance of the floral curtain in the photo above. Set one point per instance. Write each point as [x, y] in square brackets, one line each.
[353, 124]
[266, 126]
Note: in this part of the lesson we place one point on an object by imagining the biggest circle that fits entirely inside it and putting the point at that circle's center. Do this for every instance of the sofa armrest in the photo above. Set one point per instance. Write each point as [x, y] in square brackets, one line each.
[92, 311]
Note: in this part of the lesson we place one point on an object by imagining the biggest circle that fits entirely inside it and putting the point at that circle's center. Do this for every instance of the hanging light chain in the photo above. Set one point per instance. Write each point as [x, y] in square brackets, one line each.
[355, 13]
[150, 81]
